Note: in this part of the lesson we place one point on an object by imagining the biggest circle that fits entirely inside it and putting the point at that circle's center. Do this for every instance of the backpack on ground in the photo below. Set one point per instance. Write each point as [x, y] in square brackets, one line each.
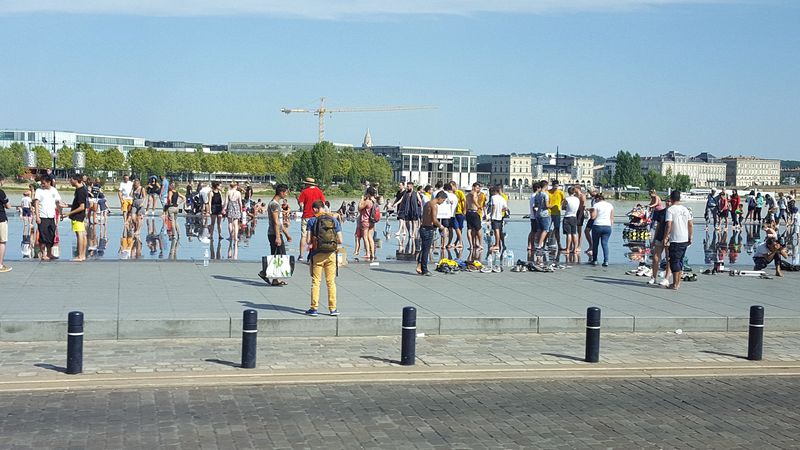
[325, 236]
[375, 213]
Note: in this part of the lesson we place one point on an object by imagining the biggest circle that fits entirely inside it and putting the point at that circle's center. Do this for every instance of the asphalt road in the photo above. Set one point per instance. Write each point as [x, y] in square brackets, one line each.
[755, 412]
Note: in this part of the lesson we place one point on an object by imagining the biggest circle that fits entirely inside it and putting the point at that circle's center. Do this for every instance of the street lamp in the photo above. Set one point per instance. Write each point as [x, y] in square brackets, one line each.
[54, 152]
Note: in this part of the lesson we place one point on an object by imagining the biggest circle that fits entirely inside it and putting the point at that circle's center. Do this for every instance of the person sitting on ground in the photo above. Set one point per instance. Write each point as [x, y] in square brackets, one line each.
[769, 251]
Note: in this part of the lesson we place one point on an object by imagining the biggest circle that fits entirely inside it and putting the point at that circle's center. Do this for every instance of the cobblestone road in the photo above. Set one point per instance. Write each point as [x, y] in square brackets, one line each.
[656, 413]
[44, 359]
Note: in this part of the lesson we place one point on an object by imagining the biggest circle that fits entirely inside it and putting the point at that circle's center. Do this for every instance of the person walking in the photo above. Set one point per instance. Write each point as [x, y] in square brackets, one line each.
[603, 217]
[759, 207]
[47, 200]
[173, 202]
[215, 210]
[735, 205]
[310, 194]
[3, 226]
[125, 194]
[430, 223]
[677, 236]
[277, 233]
[324, 233]
[711, 212]
[77, 214]
[233, 211]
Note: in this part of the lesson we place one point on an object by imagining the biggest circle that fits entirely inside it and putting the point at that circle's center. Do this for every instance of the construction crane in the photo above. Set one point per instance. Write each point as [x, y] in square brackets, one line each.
[322, 110]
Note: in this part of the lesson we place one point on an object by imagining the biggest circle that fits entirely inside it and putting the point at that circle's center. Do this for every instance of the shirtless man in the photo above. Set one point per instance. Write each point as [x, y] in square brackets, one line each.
[429, 224]
[475, 203]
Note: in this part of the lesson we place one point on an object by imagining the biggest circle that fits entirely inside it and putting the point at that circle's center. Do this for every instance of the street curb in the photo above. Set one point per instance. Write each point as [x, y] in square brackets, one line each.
[394, 375]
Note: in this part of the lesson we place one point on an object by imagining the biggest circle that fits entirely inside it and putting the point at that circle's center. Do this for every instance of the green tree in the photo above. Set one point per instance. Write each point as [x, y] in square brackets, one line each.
[628, 171]
[139, 160]
[112, 159]
[43, 158]
[682, 183]
[11, 163]
[64, 158]
[211, 163]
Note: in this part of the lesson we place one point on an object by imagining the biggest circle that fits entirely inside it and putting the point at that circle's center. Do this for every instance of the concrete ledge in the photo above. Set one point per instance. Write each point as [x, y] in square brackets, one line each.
[488, 325]
[578, 324]
[383, 326]
[169, 328]
[300, 326]
[770, 324]
[650, 324]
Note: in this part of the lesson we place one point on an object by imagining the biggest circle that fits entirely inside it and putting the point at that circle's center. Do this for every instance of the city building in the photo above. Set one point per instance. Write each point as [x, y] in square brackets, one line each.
[704, 170]
[283, 148]
[746, 171]
[566, 169]
[57, 139]
[428, 165]
[182, 146]
[511, 170]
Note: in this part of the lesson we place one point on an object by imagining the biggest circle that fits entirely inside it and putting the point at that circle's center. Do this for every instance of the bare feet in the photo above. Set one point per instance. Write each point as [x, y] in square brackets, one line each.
[419, 269]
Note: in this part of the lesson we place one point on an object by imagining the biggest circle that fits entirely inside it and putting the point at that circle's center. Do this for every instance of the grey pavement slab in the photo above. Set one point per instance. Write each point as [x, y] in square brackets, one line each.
[165, 299]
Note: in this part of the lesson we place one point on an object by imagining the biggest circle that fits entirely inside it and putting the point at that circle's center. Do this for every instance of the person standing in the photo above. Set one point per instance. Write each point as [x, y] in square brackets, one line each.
[277, 234]
[173, 202]
[444, 213]
[475, 201]
[46, 202]
[556, 204]
[677, 236]
[496, 215]
[153, 191]
[603, 220]
[657, 248]
[544, 220]
[459, 216]
[324, 233]
[570, 226]
[430, 223]
[581, 215]
[125, 194]
[735, 205]
[310, 194]
[3, 227]
[365, 222]
[759, 207]
[215, 210]
[77, 213]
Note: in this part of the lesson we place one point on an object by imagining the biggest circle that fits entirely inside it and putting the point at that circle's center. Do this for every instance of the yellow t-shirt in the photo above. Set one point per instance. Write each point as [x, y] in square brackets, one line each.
[481, 203]
[461, 206]
[556, 199]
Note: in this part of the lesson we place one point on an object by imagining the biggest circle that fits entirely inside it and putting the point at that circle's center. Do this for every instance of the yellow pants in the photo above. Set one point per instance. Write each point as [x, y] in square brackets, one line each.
[326, 262]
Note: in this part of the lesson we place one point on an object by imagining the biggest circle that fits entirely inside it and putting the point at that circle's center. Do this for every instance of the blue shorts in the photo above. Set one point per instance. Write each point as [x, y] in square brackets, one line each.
[545, 224]
[457, 222]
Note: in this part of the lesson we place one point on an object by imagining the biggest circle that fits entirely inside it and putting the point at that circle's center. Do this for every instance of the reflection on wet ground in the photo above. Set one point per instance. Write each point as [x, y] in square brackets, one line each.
[156, 238]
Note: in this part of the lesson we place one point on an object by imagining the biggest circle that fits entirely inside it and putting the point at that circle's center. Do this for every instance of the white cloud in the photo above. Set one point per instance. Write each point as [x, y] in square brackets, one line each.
[329, 9]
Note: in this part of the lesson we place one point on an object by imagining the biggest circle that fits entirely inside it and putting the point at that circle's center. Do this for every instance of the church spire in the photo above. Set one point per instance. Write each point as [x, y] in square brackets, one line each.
[367, 140]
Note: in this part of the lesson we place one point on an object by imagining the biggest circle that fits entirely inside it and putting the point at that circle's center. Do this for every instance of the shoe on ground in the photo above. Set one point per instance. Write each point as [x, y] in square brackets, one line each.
[594, 263]
[312, 312]
[652, 281]
[605, 264]
[334, 312]
[665, 282]
[428, 274]
[5, 269]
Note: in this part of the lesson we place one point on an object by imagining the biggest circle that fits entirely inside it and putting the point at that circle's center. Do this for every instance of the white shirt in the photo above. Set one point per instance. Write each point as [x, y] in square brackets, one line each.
[25, 202]
[761, 250]
[680, 216]
[572, 206]
[127, 190]
[48, 201]
[604, 211]
[445, 209]
[498, 205]
[204, 193]
[453, 199]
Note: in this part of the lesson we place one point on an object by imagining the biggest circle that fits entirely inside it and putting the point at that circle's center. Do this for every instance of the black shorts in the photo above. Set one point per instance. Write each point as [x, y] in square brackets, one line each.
[534, 225]
[677, 250]
[47, 232]
[445, 222]
[473, 220]
[570, 225]
[497, 225]
[276, 249]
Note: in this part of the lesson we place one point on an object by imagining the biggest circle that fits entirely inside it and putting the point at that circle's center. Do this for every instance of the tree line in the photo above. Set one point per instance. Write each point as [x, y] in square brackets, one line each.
[629, 173]
[348, 168]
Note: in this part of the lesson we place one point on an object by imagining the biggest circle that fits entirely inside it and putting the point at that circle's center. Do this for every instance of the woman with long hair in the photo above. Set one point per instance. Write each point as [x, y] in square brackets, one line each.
[365, 223]
[233, 210]
[215, 207]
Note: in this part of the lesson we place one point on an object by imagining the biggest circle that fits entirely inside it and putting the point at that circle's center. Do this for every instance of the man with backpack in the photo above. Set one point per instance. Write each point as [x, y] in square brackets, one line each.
[324, 233]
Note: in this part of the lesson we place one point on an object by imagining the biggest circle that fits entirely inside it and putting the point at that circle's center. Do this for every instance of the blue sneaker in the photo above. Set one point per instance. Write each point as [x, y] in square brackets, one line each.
[312, 312]
[334, 312]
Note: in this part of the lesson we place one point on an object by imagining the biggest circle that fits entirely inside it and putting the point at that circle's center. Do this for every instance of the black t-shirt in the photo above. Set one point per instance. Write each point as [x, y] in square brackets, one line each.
[660, 217]
[3, 203]
[78, 200]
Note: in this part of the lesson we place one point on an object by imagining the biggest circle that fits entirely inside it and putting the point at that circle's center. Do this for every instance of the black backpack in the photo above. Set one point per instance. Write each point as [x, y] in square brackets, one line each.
[327, 240]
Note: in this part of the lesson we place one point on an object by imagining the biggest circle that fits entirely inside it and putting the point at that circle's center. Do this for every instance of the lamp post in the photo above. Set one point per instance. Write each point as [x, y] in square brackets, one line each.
[54, 152]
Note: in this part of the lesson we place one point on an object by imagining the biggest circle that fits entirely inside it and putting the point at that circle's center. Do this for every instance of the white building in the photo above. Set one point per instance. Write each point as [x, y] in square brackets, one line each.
[511, 170]
[49, 138]
[703, 170]
[428, 165]
[746, 171]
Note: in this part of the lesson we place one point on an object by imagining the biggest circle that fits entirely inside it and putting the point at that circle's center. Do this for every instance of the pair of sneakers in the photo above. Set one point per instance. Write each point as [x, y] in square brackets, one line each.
[313, 312]
[664, 283]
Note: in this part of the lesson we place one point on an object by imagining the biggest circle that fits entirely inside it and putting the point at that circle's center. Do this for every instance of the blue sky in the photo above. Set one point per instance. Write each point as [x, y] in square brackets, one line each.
[510, 75]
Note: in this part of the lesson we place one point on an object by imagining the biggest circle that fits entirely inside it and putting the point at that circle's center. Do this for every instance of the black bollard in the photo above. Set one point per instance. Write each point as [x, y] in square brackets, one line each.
[409, 339]
[74, 342]
[592, 334]
[755, 337]
[249, 334]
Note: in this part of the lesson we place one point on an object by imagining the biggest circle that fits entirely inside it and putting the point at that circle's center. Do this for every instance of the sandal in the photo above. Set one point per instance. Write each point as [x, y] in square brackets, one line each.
[278, 283]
